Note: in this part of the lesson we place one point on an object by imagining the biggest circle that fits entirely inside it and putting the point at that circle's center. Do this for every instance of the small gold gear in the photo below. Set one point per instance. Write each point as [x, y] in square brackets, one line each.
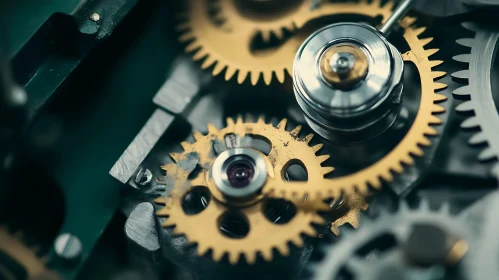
[228, 47]
[409, 146]
[26, 257]
[263, 236]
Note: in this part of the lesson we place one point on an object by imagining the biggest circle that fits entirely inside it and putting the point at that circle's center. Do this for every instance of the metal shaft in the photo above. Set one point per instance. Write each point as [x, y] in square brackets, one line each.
[399, 13]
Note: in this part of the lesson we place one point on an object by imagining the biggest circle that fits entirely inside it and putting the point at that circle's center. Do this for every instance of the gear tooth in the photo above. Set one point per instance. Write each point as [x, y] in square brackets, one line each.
[194, 45]
[261, 119]
[308, 138]
[419, 31]
[463, 74]
[439, 86]
[230, 72]
[425, 142]
[487, 154]
[430, 52]
[317, 147]
[200, 54]
[407, 20]
[160, 200]
[389, 6]
[438, 74]
[239, 120]
[241, 77]
[267, 77]
[197, 136]
[267, 254]
[435, 63]
[202, 249]
[250, 258]
[326, 170]
[234, 258]
[437, 109]
[281, 75]
[282, 124]
[464, 107]
[309, 231]
[265, 36]
[217, 255]
[426, 41]
[434, 120]
[208, 61]
[175, 157]
[323, 158]
[212, 129]
[283, 249]
[187, 36]
[478, 138]
[424, 205]
[219, 67]
[279, 33]
[464, 58]
[397, 168]
[404, 207]
[445, 208]
[255, 76]
[417, 152]
[375, 183]
[470, 122]
[296, 131]
[186, 145]
[462, 91]
[376, 3]
[335, 230]
[439, 97]
[470, 26]
[466, 42]
[298, 241]
[169, 223]
[430, 131]
[230, 122]
[387, 176]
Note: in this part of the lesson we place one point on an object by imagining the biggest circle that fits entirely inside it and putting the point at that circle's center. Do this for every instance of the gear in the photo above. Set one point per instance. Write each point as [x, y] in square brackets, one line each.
[408, 147]
[405, 237]
[34, 267]
[229, 46]
[286, 149]
[479, 89]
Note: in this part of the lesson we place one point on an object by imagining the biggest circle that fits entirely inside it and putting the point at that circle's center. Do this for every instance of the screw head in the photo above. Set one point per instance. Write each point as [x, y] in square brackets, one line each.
[95, 17]
[68, 248]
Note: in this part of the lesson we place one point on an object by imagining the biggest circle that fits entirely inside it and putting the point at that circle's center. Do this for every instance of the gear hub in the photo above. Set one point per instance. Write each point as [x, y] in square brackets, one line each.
[348, 82]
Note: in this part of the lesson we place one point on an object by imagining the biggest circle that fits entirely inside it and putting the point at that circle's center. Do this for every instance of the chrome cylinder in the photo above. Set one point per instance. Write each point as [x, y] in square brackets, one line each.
[347, 80]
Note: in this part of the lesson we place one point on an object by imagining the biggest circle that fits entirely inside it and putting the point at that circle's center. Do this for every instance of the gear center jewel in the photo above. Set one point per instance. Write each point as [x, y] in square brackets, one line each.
[347, 79]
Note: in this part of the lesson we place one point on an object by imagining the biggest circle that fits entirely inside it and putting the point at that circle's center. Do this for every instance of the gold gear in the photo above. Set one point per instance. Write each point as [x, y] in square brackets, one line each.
[409, 146]
[228, 47]
[25, 257]
[263, 236]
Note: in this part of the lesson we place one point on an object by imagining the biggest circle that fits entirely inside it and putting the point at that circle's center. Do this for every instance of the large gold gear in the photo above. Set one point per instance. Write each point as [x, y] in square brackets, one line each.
[264, 236]
[409, 146]
[228, 47]
[26, 257]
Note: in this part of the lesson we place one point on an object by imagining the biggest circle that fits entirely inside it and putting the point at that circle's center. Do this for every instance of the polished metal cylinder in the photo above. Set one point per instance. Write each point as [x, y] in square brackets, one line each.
[348, 82]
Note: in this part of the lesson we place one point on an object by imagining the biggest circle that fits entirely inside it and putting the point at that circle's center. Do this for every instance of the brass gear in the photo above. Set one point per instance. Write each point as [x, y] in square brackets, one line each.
[409, 146]
[24, 256]
[263, 236]
[228, 47]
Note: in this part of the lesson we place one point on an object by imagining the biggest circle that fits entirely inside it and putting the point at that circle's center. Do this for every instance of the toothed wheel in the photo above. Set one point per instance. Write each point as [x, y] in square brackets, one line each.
[228, 46]
[410, 146]
[404, 245]
[241, 226]
[479, 89]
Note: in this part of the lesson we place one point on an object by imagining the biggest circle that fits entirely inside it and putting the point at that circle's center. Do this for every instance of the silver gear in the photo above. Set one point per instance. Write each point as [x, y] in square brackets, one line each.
[479, 89]
[342, 255]
[484, 253]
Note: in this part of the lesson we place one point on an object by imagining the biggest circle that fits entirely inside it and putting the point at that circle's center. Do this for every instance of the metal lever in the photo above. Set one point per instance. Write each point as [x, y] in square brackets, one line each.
[399, 13]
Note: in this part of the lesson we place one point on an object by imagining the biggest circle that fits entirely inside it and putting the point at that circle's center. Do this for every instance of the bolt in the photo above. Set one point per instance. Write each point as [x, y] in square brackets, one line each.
[68, 248]
[342, 62]
[95, 17]
[143, 177]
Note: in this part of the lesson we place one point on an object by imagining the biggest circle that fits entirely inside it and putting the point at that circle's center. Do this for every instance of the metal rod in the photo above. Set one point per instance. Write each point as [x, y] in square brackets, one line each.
[399, 13]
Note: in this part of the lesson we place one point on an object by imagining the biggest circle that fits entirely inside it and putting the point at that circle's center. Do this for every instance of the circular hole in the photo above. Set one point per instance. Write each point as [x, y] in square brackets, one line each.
[233, 224]
[240, 173]
[196, 200]
[279, 211]
[295, 171]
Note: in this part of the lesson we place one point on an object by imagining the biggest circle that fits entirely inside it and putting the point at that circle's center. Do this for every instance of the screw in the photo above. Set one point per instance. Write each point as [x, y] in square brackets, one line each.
[68, 248]
[143, 177]
[95, 17]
